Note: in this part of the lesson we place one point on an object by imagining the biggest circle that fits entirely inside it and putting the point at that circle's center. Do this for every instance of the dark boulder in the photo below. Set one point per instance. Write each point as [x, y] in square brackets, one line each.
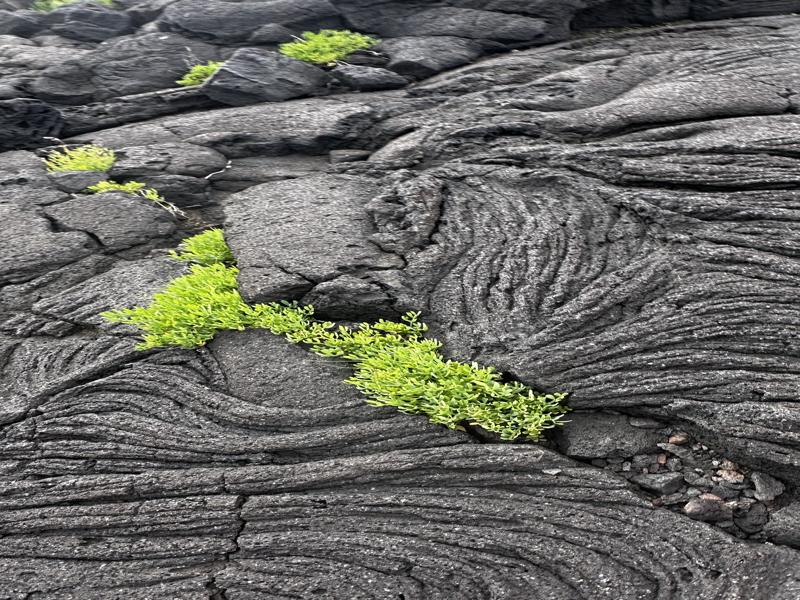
[75, 182]
[464, 23]
[421, 57]
[23, 22]
[25, 122]
[271, 33]
[600, 435]
[325, 210]
[121, 67]
[224, 22]
[367, 79]
[88, 22]
[30, 245]
[251, 76]
[116, 220]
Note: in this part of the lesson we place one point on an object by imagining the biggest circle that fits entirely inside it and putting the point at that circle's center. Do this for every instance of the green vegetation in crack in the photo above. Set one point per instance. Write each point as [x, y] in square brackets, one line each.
[100, 159]
[394, 363]
[327, 46]
[198, 74]
[48, 5]
[137, 188]
[82, 158]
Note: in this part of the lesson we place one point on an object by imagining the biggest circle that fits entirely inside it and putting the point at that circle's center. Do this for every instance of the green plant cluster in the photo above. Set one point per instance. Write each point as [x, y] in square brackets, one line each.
[82, 158]
[99, 159]
[327, 46]
[48, 5]
[198, 74]
[207, 248]
[137, 188]
[394, 363]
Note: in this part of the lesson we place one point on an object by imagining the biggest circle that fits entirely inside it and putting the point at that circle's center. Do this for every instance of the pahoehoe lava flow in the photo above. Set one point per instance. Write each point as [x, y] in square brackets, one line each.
[597, 197]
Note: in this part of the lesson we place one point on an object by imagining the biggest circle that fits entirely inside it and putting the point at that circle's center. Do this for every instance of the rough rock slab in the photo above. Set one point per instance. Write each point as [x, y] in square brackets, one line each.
[121, 67]
[222, 21]
[252, 76]
[88, 22]
[614, 216]
[576, 232]
[25, 122]
[116, 221]
[422, 523]
[300, 214]
[298, 126]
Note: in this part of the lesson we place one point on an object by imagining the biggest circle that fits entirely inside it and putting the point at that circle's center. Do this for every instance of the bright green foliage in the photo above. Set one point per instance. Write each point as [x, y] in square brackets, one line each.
[137, 188]
[199, 73]
[327, 46]
[394, 363]
[207, 248]
[48, 5]
[82, 158]
[131, 187]
[191, 310]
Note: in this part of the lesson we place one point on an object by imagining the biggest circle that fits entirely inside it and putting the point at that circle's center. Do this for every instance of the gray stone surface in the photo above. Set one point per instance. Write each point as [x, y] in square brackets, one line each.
[784, 526]
[76, 181]
[237, 21]
[598, 435]
[368, 79]
[120, 67]
[25, 122]
[117, 221]
[767, 488]
[421, 57]
[251, 76]
[659, 483]
[615, 216]
[20, 22]
[88, 22]
[32, 246]
[301, 214]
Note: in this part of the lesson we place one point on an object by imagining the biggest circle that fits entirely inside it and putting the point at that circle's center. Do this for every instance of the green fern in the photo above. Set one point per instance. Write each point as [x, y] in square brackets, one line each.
[198, 74]
[82, 158]
[394, 363]
[327, 46]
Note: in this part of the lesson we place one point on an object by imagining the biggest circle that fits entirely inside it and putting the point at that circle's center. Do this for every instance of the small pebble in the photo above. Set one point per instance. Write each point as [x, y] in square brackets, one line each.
[662, 459]
[551, 471]
[767, 487]
[679, 438]
[723, 492]
[674, 498]
[707, 507]
[731, 475]
[626, 466]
